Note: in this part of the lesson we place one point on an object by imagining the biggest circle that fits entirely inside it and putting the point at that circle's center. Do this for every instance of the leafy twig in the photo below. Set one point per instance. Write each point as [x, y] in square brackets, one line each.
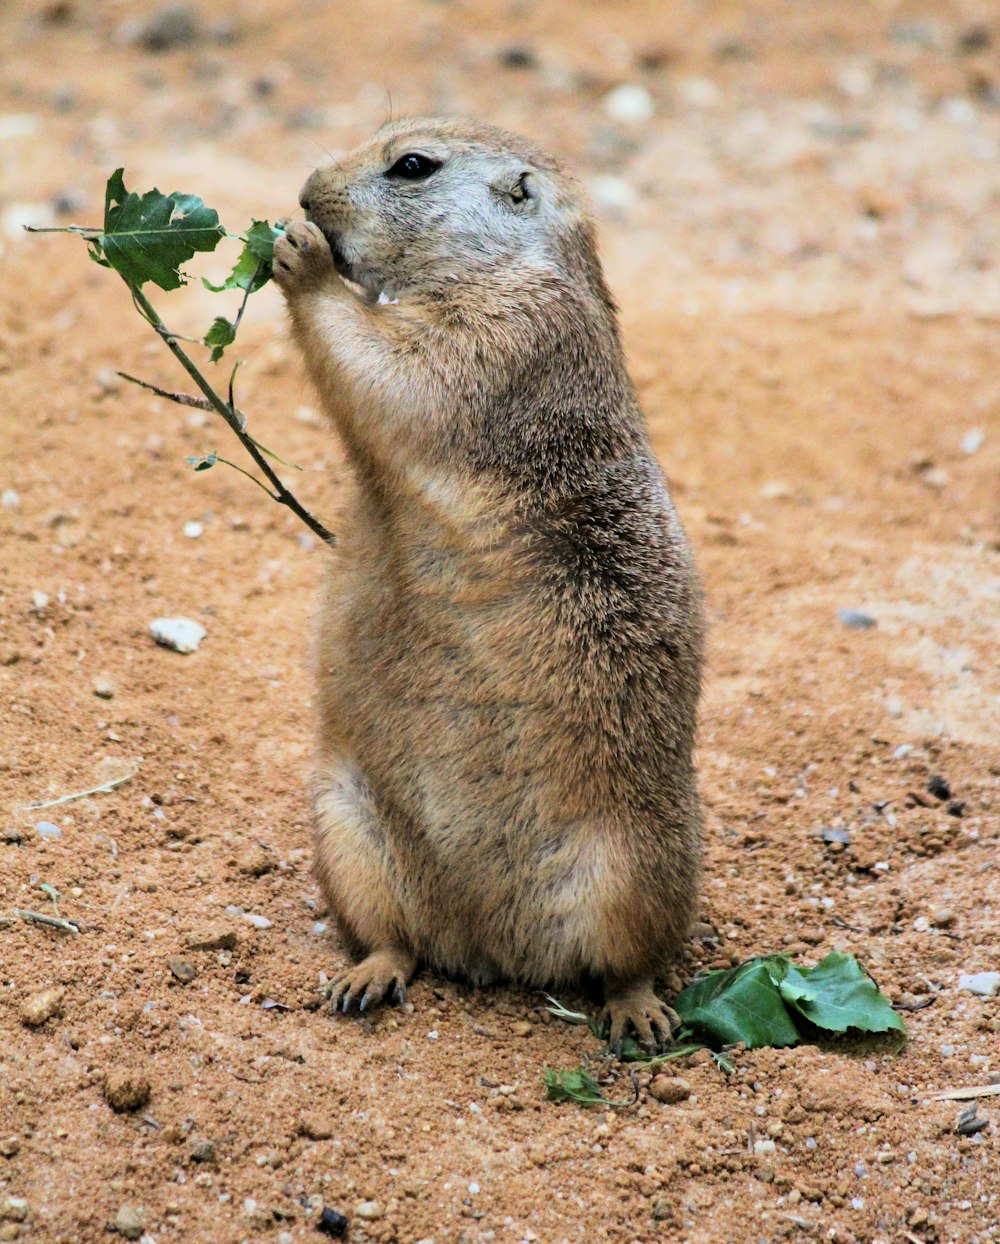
[281, 493]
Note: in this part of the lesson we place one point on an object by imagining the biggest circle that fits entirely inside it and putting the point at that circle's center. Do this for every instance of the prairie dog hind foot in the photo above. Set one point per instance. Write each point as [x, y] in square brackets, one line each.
[367, 984]
[635, 1004]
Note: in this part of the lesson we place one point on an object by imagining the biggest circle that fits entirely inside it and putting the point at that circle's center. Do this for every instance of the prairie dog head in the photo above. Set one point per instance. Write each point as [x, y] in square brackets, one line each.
[427, 203]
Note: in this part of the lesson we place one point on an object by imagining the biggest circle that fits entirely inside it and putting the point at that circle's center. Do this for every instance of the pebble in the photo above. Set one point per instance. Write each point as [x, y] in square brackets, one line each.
[39, 599]
[855, 620]
[41, 1007]
[521, 1028]
[332, 1223]
[130, 1222]
[629, 102]
[47, 830]
[254, 861]
[10, 499]
[982, 984]
[11, 835]
[201, 1149]
[183, 969]
[212, 937]
[104, 688]
[369, 1210]
[973, 441]
[938, 787]
[193, 529]
[180, 634]
[10, 1146]
[126, 1090]
[670, 1089]
[944, 918]
[258, 922]
[14, 1209]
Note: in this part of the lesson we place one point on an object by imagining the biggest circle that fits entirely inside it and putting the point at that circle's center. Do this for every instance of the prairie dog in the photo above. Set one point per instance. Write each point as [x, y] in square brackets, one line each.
[510, 641]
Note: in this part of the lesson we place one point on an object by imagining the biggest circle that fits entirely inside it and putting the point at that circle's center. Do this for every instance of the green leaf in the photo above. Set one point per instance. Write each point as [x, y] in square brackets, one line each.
[739, 1004]
[148, 238]
[253, 268]
[842, 996]
[204, 462]
[221, 334]
[577, 1086]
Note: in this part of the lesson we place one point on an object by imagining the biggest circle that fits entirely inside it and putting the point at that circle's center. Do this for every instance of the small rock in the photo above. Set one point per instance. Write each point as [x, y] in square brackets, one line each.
[521, 1028]
[956, 808]
[11, 835]
[969, 1121]
[629, 102]
[973, 441]
[939, 788]
[130, 1222]
[39, 600]
[982, 984]
[41, 1007]
[173, 26]
[944, 918]
[193, 529]
[104, 688]
[855, 620]
[212, 937]
[183, 969]
[180, 634]
[670, 1089]
[764, 1148]
[833, 834]
[315, 1126]
[516, 57]
[10, 499]
[126, 1090]
[257, 922]
[331, 1223]
[369, 1210]
[10, 1146]
[201, 1149]
[14, 1209]
[47, 830]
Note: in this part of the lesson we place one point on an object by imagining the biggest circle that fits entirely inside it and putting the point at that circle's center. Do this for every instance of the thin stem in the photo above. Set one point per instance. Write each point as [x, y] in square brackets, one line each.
[273, 496]
[281, 493]
[53, 922]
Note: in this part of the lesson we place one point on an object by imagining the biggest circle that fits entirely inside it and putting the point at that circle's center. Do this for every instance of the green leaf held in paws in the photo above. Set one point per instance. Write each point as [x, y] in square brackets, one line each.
[148, 238]
[253, 268]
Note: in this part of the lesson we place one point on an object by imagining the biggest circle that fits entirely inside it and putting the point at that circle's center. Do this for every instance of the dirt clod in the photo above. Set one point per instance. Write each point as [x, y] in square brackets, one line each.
[212, 937]
[182, 969]
[670, 1089]
[130, 1222]
[125, 1089]
[41, 1007]
[202, 1149]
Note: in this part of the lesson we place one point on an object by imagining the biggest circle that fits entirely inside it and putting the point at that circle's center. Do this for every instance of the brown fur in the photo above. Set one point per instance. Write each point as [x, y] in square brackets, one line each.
[511, 634]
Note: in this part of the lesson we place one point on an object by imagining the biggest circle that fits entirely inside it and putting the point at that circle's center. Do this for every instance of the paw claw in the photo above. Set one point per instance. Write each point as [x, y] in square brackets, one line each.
[399, 995]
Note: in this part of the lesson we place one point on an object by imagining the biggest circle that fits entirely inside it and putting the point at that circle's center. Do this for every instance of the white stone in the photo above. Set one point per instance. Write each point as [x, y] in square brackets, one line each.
[982, 984]
[181, 634]
[10, 499]
[629, 102]
[258, 922]
[193, 530]
[612, 194]
[973, 441]
[39, 600]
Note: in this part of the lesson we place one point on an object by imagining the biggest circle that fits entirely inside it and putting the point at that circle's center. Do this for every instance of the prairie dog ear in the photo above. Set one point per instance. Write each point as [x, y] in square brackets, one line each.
[517, 190]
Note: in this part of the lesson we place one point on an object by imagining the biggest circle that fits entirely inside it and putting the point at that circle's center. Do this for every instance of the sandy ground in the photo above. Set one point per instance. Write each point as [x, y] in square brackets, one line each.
[799, 214]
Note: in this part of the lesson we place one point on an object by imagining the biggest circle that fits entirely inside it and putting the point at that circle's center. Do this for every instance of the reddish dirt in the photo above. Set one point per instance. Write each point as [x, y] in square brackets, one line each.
[804, 240]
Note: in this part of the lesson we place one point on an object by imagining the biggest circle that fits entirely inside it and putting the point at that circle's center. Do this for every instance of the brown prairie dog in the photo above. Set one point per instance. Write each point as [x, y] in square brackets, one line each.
[511, 633]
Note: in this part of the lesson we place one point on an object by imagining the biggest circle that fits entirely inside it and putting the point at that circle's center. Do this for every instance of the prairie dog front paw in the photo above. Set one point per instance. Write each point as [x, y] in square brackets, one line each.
[302, 258]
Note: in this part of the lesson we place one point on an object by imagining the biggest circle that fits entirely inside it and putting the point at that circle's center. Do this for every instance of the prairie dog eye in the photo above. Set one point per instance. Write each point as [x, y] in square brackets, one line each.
[413, 167]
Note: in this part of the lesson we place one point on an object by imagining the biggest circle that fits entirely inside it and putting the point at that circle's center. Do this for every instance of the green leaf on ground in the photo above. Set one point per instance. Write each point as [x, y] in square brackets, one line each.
[147, 238]
[843, 996]
[739, 1004]
[221, 334]
[764, 1001]
[253, 268]
[579, 1086]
